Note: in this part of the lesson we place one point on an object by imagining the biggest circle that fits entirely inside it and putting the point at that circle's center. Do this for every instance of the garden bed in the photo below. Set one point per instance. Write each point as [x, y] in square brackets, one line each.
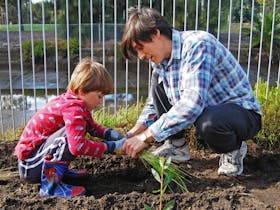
[118, 182]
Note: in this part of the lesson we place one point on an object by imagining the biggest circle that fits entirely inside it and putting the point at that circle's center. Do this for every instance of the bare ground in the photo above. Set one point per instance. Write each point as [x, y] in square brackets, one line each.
[118, 182]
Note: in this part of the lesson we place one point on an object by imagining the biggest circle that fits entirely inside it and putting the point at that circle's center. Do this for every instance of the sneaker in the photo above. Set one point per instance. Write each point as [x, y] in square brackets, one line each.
[179, 154]
[231, 164]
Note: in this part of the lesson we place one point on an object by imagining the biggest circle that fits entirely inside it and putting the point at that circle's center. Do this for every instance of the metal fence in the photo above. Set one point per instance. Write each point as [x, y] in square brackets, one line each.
[30, 74]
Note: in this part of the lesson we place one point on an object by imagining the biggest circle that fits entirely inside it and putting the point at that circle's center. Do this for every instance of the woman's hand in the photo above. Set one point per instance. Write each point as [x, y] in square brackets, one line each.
[134, 145]
[137, 143]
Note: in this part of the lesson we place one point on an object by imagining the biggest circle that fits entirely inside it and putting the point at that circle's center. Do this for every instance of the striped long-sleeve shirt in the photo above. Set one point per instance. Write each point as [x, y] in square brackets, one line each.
[65, 110]
[200, 73]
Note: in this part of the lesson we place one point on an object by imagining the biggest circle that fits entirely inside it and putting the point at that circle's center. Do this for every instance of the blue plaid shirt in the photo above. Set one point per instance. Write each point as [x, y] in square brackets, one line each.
[200, 73]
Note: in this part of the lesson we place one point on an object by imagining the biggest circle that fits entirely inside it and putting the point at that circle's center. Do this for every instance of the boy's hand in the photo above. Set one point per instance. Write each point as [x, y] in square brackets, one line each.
[115, 147]
[112, 135]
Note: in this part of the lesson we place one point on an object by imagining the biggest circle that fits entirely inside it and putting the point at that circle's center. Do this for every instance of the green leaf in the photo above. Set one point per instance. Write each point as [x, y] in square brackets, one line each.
[167, 163]
[156, 175]
[164, 189]
[168, 178]
[156, 191]
[161, 162]
[147, 207]
[170, 205]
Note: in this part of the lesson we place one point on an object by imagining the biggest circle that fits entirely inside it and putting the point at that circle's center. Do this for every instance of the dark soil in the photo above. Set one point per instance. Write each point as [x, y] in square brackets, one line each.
[118, 182]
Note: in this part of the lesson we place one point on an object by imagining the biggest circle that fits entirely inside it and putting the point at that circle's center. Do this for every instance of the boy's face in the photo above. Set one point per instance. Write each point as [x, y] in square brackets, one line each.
[93, 99]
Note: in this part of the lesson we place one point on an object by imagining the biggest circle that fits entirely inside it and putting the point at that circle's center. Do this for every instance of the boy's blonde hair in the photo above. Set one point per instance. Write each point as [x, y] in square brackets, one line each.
[90, 76]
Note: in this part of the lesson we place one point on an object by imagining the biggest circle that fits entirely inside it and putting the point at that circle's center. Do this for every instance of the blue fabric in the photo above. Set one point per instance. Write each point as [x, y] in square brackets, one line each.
[110, 146]
[112, 135]
[51, 184]
[74, 174]
[200, 73]
[114, 146]
[223, 127]
[119, 144]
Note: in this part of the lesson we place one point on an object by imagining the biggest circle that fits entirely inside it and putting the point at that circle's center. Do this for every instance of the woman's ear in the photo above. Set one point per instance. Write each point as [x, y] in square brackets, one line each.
[157, 34]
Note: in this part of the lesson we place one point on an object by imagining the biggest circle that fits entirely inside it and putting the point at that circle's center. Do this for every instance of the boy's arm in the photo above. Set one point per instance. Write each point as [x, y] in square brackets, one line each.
[75, 118]
[96, 129]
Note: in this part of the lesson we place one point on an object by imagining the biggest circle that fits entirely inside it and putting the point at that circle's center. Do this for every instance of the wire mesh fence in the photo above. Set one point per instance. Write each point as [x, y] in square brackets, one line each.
[40, 44]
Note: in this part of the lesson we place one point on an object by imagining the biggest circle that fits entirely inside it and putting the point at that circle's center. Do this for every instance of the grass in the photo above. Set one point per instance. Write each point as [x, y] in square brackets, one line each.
[10, 135]
[123, 119]
[27, 27]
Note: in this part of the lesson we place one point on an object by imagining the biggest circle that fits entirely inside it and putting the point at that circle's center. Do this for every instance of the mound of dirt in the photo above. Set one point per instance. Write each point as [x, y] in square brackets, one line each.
[118, 182]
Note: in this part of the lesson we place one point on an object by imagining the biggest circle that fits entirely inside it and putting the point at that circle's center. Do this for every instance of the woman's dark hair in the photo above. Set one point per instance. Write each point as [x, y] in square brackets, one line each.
[142, 24]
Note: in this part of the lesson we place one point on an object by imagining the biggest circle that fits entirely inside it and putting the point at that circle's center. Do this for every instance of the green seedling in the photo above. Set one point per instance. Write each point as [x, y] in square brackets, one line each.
[164, 171]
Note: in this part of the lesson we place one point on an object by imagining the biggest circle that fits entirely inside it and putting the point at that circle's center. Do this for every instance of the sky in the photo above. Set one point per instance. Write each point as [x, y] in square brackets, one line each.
[36, 1]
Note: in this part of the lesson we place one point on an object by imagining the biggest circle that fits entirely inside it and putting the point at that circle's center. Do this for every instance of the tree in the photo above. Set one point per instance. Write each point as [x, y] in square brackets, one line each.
[266, 20]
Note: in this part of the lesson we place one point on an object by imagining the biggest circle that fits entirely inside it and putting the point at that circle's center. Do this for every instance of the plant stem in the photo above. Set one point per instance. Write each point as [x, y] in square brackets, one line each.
[161, 187]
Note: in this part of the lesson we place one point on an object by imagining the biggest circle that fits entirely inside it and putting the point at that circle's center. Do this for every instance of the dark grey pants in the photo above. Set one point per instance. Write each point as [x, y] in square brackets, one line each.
[56, 145]
[223, 127]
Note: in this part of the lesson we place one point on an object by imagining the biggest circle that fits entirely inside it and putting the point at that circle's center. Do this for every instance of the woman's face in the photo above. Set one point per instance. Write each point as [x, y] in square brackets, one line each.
[157, 50]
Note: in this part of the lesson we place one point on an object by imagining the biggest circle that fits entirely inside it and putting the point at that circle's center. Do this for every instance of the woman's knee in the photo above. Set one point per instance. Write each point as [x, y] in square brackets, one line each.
[207, 123]
[217, 134]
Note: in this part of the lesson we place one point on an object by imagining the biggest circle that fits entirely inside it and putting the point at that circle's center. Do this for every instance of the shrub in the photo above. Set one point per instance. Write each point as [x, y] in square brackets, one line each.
[11, 135]
[266, 31]
[50, 49]
[269, 135]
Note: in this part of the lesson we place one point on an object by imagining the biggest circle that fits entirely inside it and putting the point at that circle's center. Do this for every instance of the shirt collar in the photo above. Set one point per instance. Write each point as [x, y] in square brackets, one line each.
[176, 45]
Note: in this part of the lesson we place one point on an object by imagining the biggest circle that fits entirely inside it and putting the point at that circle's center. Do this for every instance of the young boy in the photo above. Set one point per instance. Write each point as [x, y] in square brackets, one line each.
[55, 135]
